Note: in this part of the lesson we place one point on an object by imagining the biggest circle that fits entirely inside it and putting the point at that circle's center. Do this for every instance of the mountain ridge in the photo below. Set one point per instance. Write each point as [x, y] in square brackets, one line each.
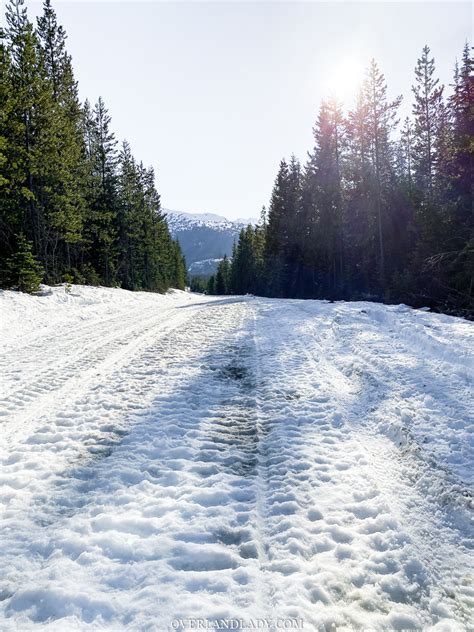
[205, 238]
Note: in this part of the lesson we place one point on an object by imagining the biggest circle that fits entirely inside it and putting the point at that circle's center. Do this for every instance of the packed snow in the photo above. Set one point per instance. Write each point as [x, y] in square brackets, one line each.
[178, 458]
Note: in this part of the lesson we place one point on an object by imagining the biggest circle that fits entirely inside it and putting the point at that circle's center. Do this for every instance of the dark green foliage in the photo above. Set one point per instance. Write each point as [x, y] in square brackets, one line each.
[92, 214]
[178, 267]
[22, 270]
[211, 285]
[198, 284]
[222, 282]
[372, 216]
[247, 270]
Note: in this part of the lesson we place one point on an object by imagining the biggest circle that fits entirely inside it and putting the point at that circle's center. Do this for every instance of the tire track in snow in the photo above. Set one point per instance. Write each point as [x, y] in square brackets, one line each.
[64, 362]
[439, 506]
[410, 592]
[246, 485]
[88, 525]
[84, 372]
[426, 389]
[36, 490]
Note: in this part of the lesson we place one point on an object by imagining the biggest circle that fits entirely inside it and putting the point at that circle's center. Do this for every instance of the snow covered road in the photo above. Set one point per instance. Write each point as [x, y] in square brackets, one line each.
[178, 457]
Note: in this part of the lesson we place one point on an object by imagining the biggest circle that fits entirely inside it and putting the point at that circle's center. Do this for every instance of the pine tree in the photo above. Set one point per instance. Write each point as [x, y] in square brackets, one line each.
[462, 113]
[427, 110]
[323, 181]
[222, 281]
[198, 284]
[211, 285]
[60, 180]
[101, 225]
[277, 244]
[432, 149]
[10, 173]
[65, 174]
[380, 121]
[179, 268]
[131, 230]
[22, 270]
[405, 170]
[247, 262]
[27, 147]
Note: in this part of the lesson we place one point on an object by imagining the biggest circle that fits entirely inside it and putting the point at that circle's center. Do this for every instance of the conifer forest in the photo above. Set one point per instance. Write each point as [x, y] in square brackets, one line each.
[381, 210]
[75, 205]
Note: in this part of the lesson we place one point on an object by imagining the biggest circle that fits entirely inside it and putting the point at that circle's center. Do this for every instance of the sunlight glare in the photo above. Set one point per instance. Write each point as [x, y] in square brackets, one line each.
[345, 79]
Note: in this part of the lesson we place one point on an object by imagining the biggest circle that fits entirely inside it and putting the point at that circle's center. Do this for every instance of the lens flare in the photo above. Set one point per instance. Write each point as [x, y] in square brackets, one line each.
[345, 79]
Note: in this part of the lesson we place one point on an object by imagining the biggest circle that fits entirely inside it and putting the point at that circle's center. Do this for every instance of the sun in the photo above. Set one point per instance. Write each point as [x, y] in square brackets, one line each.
[345, 78]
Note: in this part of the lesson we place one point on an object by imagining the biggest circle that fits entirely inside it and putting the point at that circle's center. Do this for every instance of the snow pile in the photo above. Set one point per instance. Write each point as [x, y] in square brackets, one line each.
[66, 307]
[180, 456]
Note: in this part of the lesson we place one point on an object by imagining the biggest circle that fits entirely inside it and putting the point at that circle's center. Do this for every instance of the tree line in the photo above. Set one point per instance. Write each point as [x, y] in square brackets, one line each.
[74, 206]
[374, 213]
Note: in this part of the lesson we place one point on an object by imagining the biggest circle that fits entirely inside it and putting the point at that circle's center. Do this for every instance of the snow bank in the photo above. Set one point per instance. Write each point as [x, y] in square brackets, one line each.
[23, 316]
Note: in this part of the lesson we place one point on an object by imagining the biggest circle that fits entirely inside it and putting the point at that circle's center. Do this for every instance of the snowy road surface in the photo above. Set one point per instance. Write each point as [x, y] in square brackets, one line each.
[181, 457]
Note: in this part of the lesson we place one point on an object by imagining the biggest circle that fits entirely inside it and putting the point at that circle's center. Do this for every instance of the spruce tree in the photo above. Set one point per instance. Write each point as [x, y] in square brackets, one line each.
[179, 267]
[65, 201]
[277, 236]
[427, 111]
[27, 145]
[222, 281]
[323, 178]
[381, 121]
[22, 270]
[101, 225]
[211, 285]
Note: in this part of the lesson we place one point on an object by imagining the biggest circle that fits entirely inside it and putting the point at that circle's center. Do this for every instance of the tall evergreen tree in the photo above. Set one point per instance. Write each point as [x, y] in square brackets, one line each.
[324, 180]
[427, 111]
[66, 168]
[222, 283]
[380, 122]
[27, 147]
[102, 224]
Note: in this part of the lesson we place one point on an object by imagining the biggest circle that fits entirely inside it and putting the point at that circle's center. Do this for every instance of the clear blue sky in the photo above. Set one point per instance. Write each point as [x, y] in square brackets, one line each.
[213, 95]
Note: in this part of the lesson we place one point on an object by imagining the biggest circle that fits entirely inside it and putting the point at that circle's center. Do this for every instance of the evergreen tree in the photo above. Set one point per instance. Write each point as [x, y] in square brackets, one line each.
[462, 114]
[211, 285]
[179, 268]
[222, 281]
[198, 284]
[281, 220]
[65, 173]
[88, 216]
[370, 215]
[27, 148]
[22, 270]
[432, 149]
[10, 173]
[427, 110]
[323, 181]
[102, 223]
[380, 123]
[373, 216]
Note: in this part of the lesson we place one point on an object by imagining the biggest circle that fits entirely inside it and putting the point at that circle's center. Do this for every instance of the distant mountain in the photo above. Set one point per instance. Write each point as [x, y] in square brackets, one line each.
[204, 238]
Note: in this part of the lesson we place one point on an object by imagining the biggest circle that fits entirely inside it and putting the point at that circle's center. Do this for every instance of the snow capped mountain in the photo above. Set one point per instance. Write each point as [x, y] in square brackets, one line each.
[178, 221]
[204, 238]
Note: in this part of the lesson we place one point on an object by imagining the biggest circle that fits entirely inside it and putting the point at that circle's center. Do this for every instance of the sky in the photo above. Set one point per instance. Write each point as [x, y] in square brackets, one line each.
[215, 94]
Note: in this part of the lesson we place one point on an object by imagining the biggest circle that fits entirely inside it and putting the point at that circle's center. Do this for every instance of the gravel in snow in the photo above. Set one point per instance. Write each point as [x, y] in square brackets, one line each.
[180, 456]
